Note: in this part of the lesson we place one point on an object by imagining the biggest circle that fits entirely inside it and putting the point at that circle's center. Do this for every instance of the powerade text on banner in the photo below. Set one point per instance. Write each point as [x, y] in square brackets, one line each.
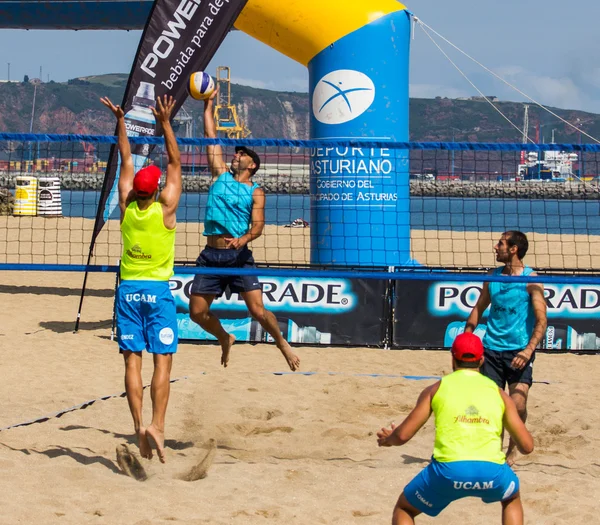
[430, 314]
[180, 37]
[360, 196]
[308, 310]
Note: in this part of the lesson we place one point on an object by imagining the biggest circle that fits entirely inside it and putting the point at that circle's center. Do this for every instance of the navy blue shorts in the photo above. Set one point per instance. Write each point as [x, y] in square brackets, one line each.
[146, 317]
[439, 484]
[497, 366]
[227, 258]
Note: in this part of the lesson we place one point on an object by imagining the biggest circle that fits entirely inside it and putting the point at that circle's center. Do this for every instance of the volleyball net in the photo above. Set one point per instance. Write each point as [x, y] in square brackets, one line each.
[365, 243]
[344, 205]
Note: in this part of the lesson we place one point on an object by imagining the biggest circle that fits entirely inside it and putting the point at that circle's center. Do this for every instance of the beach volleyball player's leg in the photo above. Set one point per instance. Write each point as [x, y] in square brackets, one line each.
[250, 289]
[132, 343]
[148, 326]
[205, 289]
[161, 335]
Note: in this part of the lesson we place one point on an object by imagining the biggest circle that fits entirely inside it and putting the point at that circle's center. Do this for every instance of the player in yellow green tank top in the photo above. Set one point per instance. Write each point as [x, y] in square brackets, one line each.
[146, 314]
[470, 414]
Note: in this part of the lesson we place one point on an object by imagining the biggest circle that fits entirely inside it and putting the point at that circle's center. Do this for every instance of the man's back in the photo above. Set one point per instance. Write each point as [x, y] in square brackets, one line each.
[468, 413]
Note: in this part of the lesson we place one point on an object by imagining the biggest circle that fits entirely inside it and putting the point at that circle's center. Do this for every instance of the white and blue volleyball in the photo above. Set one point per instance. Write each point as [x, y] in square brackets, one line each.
[201, 85]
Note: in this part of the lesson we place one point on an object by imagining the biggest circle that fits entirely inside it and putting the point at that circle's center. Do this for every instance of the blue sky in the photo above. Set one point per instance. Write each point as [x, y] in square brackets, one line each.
[542, 46]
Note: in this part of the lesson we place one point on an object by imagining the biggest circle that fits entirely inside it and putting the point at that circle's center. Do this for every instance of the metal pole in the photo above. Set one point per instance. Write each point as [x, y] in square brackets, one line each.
[453, 156]
[33, 109]
[32, 115]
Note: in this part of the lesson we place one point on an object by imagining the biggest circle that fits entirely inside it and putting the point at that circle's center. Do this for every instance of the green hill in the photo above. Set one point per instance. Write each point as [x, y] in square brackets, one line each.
[73, 107]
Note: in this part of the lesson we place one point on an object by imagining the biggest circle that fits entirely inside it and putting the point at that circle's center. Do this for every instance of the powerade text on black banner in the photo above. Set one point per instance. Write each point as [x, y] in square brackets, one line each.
[309, 310]
[431, 314]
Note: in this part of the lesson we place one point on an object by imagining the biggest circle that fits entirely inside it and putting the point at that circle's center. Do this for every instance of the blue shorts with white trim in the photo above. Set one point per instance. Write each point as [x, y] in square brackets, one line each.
[439, 484]
[146, 317]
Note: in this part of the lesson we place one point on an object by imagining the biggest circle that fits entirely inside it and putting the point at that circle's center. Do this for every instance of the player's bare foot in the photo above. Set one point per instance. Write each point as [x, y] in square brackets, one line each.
[145, 448]
[292, 359]
[158, 436]
[226, 348]
[511, 456]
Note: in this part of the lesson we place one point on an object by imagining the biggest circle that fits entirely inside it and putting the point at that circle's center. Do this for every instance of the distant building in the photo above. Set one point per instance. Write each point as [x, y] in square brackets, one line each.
[492, 98]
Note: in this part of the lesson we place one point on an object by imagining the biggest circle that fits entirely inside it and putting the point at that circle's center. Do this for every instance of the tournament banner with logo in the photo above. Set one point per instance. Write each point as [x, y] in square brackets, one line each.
[359, 90]
[430, 314]
[180, 38]
[309, 311]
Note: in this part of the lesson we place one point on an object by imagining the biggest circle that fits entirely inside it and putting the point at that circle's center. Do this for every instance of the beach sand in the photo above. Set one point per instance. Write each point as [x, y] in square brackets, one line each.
[291, 449]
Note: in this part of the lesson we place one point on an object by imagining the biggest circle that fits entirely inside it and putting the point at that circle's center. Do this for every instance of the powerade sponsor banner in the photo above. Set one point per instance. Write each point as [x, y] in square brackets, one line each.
[309, 311]
[180, 37]
[432, 314]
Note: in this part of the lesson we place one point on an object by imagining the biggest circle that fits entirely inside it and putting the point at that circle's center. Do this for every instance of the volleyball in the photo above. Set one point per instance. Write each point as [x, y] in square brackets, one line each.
[201, 85]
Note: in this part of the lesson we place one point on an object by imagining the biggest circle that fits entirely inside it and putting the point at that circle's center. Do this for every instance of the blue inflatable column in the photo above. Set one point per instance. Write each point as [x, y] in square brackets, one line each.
[360, 212]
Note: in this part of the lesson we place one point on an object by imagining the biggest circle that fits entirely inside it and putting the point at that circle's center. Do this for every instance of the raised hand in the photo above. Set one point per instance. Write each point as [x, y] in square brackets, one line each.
[213, 95]
[117, 110]
[164, 108]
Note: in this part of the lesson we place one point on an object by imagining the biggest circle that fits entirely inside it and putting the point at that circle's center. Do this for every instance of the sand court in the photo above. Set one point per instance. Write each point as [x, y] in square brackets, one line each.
[290, 448]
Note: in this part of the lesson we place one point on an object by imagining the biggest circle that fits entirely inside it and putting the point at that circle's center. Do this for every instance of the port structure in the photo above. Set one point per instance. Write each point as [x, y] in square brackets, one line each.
[226, 117]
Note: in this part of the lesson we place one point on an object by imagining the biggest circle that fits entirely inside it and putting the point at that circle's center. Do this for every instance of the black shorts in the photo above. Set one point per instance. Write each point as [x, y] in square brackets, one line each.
[497, 367]
[217, 284]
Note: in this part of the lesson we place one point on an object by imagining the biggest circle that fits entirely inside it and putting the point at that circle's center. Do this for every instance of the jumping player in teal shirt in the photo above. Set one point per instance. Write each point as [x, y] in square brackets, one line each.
[235, 216]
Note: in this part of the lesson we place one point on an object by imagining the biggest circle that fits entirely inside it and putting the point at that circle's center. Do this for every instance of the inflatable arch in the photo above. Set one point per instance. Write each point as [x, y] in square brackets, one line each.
[357, 54]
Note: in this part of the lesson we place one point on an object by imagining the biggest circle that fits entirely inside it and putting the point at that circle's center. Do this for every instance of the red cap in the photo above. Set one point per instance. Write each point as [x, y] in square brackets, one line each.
[146, 180]
[467, 347]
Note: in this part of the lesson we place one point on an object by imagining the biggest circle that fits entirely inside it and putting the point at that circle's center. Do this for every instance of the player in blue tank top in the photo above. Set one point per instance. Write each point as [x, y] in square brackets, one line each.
[235, 216]
[516, 324]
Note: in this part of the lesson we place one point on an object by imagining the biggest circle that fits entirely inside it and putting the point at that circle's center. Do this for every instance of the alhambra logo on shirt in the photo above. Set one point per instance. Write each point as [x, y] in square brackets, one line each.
[136, 253]
[471, 416]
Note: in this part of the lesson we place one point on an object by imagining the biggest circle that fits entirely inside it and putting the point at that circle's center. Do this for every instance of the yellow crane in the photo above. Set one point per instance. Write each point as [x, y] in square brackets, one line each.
[226, 116]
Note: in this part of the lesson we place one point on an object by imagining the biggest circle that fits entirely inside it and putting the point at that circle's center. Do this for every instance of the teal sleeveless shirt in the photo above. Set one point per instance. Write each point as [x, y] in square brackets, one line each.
[229, 207]
[510, 320]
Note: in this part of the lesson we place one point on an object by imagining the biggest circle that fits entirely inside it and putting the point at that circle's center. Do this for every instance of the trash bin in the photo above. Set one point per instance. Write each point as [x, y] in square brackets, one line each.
[25, 196]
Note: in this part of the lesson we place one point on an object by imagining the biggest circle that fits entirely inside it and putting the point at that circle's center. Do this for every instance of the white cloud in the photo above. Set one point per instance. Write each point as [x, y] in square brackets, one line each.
[558, 90]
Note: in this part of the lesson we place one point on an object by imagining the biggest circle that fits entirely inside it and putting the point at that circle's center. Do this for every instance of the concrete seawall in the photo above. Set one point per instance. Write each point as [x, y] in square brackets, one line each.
[300, 185]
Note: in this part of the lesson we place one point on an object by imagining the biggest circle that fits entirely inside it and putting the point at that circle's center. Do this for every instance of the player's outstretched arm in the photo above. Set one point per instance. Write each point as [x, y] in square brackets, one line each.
[169, 196]
[399, 435]
[126, 175]
[216, 162]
